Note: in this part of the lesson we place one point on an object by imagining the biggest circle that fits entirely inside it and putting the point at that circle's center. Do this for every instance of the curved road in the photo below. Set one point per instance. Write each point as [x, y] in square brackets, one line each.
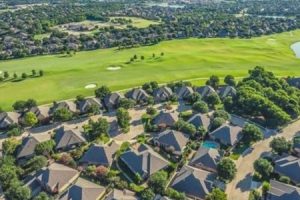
[240, 187]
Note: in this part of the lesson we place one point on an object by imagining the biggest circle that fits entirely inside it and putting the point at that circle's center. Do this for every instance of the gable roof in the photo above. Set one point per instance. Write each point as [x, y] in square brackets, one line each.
[84, 105]
[41, 112]
[289, 166]
[112, 100]
[100, 154]
[162, 94]
[83, 190]
[143, 160]
[205, 91]
[8, 118]
[166, 118]
[282, 191]
[65, 138]
[56, 176]
[184, 92]
[226, 91]
[227, 134]
[200, 120]
[206, 158]
[121, 195]
[194, 182]
[172, 138]
[70, 105]
[137, 94]
[29, 143]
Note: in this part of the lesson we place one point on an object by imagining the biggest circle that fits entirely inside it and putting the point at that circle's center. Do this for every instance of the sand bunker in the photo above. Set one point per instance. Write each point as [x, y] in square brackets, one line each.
[113, 68]
[296, 48]
[90, 86]
[1, 72]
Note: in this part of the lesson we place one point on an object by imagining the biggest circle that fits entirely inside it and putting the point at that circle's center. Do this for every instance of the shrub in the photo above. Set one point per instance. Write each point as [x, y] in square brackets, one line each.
[200, 106]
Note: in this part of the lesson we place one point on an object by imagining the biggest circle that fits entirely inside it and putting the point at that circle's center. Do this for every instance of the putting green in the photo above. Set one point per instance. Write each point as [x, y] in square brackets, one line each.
[66, 77]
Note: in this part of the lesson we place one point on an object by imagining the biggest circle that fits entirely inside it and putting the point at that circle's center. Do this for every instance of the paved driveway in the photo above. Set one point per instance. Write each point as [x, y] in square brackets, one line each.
[240, 187]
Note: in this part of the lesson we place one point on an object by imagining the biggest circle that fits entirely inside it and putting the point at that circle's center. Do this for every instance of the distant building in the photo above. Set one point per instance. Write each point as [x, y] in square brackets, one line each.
[200, 120]
[85, 105]
[112, 100]
[205, 91]
[288, 165]
[184, 92]
[227, 134]
[66, 138]
[282, 191]
[166, 119]
[138, 95]
[226, 91]
[8, 119]
[163, 93]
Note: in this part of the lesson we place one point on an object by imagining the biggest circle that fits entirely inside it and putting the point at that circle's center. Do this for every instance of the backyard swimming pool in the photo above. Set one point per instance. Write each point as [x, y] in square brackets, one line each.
[210, 144]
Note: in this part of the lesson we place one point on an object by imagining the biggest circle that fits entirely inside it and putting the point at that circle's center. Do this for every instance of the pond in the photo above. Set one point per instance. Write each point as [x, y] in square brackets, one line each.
[296, 48]
[165, 5]
[210, 144]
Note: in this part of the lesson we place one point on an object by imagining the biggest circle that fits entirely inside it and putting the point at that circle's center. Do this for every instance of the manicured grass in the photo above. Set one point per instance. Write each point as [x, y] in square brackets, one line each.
[65, 77]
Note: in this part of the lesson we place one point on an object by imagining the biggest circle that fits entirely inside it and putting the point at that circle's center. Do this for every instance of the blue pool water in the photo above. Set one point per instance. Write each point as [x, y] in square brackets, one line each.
[210, 144]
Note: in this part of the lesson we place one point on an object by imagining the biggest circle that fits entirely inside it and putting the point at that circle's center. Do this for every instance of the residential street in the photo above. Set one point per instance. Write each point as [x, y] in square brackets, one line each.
[240, 187]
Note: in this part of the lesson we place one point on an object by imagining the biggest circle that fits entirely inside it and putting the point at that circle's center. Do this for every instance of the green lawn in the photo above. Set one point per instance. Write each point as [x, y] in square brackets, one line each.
[66, 77]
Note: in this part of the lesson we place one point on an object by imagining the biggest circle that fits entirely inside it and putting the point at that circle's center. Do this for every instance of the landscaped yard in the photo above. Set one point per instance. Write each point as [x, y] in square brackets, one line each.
[196, 59]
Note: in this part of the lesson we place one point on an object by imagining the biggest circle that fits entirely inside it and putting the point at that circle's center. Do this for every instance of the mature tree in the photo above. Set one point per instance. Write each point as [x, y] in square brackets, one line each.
[221, 113]
[19, 106]
[158, 182]
[8, 174]
[14, 131]
[213, 81]
[200, 106]
[212, 100]
[45, 148]
[216, 194]
[123, 119]
[6, 75]
[280, 145]
[126, 103]
[97, 128]
[263, 167]
[30, 103]
[185, 127]
[229, 80]
[33, 72]
[62, 114]
[10, 145]
[30, 119]
[102, 92]
[24, 75]
[216, 123]
[43, 196]
[226, 169]
[252, 133]
[254, 195]
[193, 98]
[147, 194]
[35, 164]
[151, 111]
[41, 73]
[17, 191]
[174, 194]
[265, 187]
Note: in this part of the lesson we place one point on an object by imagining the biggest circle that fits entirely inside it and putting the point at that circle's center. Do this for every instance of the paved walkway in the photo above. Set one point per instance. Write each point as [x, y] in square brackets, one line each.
[240, 187]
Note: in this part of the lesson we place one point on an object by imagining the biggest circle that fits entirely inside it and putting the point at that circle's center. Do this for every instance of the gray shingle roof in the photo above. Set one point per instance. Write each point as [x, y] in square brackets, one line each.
[41, 112]
[121, 195]
[70, 105]
[205, 91]
[84, 105]
[143, 161]
[8, 118]
[226, 91]
[194, 182]
[162, 94]
[83, 190]
[227, 134]
[171, 138]
[100, 154]
[184, 92]
[166, 118]
[112, 100]
[200, 120]
[137, 94]
[289, 166]
[206, 158]
[281, 191]
[29, 143]
[65, 138]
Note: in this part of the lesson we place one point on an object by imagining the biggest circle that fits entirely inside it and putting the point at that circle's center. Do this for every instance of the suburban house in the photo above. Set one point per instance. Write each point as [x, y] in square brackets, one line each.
[184, 92]
[226, 91]
[163, 93]
[228, 135]
[83, 190]
[69, 105]
[100, 154]
[143, 161]
[53, 179]
[205, 91]
[27, 148]
[139, 95]
[172, 141]
[288, 165]
[195, 183]
[116, 194]
[200, 120]
[8, 119]
[42, 113]
[282, 191]
[111, 101]
[166, 119]
[85, 105]
[66, 138]
[206, 158]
